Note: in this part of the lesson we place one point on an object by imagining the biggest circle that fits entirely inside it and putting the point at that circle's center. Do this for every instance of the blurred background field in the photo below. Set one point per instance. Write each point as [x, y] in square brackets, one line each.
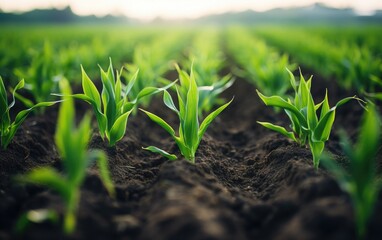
[337, 40]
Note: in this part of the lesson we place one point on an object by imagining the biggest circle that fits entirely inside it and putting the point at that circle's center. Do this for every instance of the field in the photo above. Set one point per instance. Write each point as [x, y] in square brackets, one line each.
[318, 177]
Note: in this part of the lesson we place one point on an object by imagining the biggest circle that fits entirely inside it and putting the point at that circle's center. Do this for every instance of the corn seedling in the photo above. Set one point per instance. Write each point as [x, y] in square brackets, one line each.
[190, 131]
[112, 107]
[8, 128]
[306, 124]
[72, 143]
[360, 180]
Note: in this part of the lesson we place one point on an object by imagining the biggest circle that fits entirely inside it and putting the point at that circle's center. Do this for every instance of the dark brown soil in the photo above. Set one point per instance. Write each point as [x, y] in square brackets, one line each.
[247, 183]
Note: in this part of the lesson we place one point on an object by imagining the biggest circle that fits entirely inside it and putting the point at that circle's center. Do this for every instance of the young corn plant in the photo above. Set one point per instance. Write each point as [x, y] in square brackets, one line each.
[112, 107]
[8, 128]
[190, 131]
[360, 179]
[72, 143]
[308, 126]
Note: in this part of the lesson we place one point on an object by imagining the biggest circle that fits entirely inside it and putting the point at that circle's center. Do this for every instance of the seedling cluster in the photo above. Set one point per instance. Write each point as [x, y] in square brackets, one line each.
[308, 126]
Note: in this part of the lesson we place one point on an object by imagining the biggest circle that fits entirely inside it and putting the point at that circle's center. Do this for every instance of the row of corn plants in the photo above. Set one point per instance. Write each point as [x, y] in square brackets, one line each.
[58, 53]
[354, 66]
[367, 36]
[50, 62]
[311, 125]
[258, 62]
[206, 58]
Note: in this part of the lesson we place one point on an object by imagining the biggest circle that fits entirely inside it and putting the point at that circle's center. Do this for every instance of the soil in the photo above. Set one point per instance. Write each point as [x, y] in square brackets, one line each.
[247, 182]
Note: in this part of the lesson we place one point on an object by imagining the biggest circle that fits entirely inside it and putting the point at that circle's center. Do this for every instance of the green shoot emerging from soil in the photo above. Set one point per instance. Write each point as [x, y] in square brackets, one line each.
[190, 132]
[112, 107]
[72, 143]
[307, 125]
[360, 180]
[8, 128]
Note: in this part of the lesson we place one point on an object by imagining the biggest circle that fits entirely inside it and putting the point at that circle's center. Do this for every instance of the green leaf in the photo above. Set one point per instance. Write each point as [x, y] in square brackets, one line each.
[325, 105]
[161, 152]
[147, 91]
[131, 82]
[118, 129]
[183, 77]
[278, 129]
[28, 103]
[160, 122]
[295, 123]
[345, 100]
[3, 94]
[303, 91]
[118, 88]
[48, 177]
[90, 89]
[277, 101]
[311, 112]
[101, 159]
[181, 104]
[108, 97]
[324, 126]
[101, 118]
[191, 123]
[292, 80]
[207, 121]
[110, 73]
[20, 117]
[18, 86]
[152, 90]
[167, 99]
[370, 136]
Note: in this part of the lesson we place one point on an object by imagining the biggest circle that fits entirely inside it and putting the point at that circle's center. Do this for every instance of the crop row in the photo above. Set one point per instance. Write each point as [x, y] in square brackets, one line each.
[354, 65]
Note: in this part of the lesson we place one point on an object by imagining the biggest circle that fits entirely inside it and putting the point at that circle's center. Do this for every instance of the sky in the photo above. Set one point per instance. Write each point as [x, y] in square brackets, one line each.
[173, 9]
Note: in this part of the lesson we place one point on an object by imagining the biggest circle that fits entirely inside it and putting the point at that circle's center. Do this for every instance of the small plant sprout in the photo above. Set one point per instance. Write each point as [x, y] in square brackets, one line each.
[72, 143]
[360, 179]
[112, 107]
[306, 124]
[190, 131]
[8, 128]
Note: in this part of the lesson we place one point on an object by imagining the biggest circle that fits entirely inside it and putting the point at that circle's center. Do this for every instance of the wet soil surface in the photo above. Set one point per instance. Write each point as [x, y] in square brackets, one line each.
[247, 182]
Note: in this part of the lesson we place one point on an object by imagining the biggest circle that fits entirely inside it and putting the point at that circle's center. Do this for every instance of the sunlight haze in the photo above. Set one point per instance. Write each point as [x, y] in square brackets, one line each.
[173, 9]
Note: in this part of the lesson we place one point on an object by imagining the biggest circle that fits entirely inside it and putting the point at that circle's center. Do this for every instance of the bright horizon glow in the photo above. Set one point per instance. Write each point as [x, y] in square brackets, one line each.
[176, 9]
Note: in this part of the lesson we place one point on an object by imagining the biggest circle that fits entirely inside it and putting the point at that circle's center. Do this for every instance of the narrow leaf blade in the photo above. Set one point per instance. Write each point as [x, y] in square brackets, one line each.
[161, 152]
